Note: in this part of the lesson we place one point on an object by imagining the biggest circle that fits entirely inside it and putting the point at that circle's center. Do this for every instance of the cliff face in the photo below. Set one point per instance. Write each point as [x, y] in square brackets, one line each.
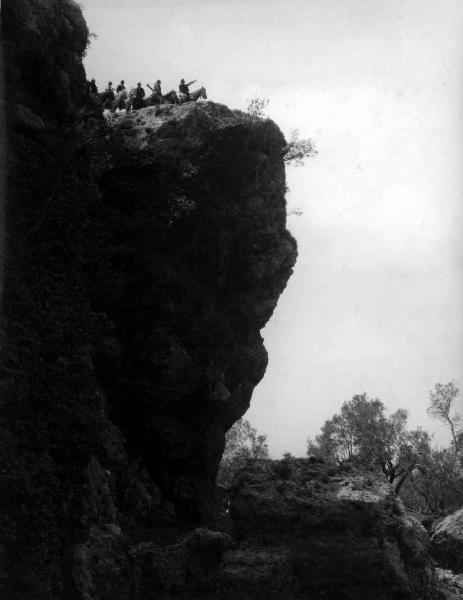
[143, 258]
[194, 203]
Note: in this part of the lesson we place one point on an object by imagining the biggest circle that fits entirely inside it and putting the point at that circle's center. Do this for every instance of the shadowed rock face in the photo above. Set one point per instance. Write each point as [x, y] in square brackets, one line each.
[195, 208]
[143, 258]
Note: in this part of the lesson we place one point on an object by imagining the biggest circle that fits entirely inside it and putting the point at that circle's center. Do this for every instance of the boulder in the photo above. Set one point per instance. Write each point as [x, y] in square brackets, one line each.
[328, 532]
[451, 584]
[447, 542]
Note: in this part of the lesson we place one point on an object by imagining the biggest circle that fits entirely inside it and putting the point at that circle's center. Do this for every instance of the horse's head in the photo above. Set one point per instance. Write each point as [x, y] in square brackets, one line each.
[203, 93]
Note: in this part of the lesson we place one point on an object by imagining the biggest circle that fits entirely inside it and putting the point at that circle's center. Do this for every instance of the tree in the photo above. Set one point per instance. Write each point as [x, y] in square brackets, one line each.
[406, 453]
[296, 150]
[437, 484]
[242, 445]
[352, 434]
[442, 399]
[256, 107]
[433, 487]
[428, 479]
[363, 434]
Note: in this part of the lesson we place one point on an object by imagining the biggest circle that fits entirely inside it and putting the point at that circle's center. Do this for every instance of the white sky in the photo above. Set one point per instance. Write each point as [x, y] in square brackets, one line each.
[376, 301]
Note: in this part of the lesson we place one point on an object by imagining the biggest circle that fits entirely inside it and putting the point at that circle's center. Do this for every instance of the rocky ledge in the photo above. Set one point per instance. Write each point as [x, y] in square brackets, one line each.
[297, 530]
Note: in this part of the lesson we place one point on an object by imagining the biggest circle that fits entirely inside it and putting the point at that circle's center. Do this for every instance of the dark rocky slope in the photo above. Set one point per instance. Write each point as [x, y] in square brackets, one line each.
[143, 256]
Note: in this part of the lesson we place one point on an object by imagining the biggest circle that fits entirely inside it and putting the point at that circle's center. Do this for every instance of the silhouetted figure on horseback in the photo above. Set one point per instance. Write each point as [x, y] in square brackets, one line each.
[138, 101]
[121, 101]
[170, 98]
[156, 93]
[107, 97]
[184, 90]
[92, 88]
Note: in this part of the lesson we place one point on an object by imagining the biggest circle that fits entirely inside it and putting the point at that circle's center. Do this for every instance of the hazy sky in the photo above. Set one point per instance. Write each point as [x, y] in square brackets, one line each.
[376, 301]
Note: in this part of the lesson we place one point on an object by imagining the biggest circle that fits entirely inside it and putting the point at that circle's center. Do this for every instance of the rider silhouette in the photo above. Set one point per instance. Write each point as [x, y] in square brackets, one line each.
[139, 95]
[109, 90]
[183, 88]
[91, 87]
[156, 89]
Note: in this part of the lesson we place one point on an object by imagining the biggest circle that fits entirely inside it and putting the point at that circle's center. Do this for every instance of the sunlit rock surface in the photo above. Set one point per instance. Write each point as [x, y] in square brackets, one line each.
[447, 542]
[450, 583]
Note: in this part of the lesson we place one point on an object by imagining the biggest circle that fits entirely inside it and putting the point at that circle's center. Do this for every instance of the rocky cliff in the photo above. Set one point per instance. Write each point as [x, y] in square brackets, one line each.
[143, 256]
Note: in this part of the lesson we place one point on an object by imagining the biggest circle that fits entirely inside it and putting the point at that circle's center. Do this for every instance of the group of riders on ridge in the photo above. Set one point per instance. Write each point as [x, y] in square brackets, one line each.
[136, 97]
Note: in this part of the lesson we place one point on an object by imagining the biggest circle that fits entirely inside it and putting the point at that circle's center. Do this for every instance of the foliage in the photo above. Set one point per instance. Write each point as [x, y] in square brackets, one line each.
[296, 211]
[363, 434]
[296, 150]
[242, 445]
[434, 487]
[90, 38]
[438, 485]
[256, 107]
[354, 433]
[442, 399]
[429, 479]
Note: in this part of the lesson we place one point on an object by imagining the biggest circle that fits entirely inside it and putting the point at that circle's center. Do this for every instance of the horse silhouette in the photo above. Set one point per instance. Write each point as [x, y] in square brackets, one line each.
[120, 101]
[195, 95]
[106, 98]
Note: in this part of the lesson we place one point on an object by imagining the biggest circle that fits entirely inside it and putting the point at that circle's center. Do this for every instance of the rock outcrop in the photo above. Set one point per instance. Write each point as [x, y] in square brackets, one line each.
[447, 542]
[312, 531]
[194, 203]
[143, 257]
[298, 530]
[450, 583]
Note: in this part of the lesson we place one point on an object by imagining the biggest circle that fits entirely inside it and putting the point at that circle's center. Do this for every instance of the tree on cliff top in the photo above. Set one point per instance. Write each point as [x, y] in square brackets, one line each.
[242, 445]
[296, 149]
